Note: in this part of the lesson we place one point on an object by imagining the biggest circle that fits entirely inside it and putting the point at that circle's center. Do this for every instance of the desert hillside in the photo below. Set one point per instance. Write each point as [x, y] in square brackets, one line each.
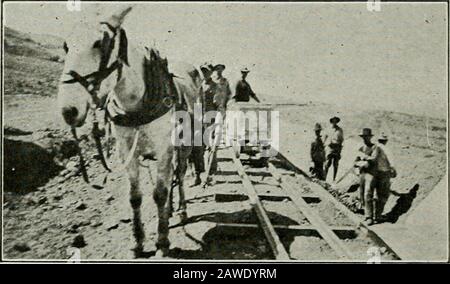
[32, 64]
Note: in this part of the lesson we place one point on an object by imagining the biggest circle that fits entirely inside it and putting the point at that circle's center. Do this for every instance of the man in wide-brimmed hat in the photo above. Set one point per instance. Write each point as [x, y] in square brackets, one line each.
[333, 141]
[207, 92]
[317, 153]
[367, 169]
[243, 89]
[375, 174]
[223, 94]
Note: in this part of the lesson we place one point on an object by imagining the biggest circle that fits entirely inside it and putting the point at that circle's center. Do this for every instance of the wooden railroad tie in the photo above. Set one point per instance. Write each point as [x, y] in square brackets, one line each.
[277, 247]
[324, 230]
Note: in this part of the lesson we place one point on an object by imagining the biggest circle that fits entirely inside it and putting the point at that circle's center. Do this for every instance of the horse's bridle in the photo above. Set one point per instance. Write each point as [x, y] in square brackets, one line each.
[92, 83]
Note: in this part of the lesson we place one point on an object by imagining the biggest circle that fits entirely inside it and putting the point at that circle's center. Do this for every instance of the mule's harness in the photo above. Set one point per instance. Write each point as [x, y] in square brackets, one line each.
[92, 83]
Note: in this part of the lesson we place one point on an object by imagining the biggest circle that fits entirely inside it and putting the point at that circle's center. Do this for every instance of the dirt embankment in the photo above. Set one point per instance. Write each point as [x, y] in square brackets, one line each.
[417, 144]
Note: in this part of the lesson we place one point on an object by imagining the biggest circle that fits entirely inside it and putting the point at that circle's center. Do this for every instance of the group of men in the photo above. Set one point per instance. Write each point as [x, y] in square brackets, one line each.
[374, 167]
[215, 93]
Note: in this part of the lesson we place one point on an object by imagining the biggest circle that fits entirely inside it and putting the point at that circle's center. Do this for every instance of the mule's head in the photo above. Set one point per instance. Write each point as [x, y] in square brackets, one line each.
[89, 50]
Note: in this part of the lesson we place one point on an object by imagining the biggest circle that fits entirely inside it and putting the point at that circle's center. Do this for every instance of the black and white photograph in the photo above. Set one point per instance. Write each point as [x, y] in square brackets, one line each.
[242, 132]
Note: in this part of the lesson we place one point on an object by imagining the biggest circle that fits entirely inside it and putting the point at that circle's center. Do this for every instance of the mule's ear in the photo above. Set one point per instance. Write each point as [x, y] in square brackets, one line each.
[153, 54]
[123, 47]
[116, 20]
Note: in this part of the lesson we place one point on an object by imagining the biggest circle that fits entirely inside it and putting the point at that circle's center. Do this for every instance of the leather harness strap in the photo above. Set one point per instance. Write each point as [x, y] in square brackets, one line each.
[91, 82]
[153, 106]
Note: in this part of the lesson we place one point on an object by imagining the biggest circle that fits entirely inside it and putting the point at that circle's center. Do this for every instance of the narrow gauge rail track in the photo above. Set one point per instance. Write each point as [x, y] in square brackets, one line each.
[313, 212]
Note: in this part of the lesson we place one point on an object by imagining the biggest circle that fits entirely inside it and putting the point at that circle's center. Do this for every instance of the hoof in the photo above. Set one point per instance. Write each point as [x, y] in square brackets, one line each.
[138, 251]
[162, 253]
[368, 222]
[183, 216]
[196, 182]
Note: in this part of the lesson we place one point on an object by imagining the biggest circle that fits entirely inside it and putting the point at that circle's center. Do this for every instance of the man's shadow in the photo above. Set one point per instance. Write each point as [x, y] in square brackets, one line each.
[403, 204]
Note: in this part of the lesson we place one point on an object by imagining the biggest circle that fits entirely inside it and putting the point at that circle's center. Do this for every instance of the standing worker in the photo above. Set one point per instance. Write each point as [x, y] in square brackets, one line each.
[376, 171]
[367, 169]
[223, 93]
[317, 154]
[213, 101]
[220, 98]
[385, 171]
[333, 141]
[207, 91]
[243, 89]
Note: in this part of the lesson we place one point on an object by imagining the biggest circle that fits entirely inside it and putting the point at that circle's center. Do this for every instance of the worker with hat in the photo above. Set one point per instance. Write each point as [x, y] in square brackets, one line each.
[207, 92]
[220, 98]
[365, 164]
[385, 171]
[223, 93]
[317, 153]
[375, 173]
[243, 89]
[333, 145]
[214, 104]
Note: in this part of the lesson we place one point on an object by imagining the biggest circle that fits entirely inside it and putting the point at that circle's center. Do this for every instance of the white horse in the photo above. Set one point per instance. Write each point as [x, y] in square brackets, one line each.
[102, 68]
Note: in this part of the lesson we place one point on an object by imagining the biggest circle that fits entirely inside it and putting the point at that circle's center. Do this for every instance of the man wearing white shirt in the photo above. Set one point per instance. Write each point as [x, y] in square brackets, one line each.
[385, 171]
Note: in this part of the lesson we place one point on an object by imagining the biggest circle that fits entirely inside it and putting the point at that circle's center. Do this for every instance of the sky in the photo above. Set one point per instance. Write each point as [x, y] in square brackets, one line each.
[339, 53]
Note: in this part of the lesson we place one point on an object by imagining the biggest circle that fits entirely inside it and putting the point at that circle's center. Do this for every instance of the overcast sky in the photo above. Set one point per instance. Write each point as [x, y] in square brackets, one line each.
[341, 53]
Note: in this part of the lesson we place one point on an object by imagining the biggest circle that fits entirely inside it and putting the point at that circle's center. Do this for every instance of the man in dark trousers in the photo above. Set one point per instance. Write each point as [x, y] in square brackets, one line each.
[317, 152]
[376, 171]
[333, 140]
[207, 91]
[243, 89]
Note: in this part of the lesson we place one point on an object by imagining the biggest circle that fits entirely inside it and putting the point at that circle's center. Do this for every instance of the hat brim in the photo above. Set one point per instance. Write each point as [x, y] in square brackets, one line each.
[337, 119]
[206, 69]
[245, 71]
[219, 66]
[365, 135]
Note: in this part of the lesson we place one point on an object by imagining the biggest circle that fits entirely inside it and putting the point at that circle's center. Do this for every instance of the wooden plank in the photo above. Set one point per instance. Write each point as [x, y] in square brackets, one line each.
[277, 247]
[224, 197]
[284, 227]
[324, 230]
[325, 195]
[230, 197]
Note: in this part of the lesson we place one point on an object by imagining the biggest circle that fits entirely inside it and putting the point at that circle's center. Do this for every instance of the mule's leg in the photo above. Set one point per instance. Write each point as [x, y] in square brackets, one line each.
[136, 201]
[181, 172]
[125, 145]
[170, 201]
[160, 195]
